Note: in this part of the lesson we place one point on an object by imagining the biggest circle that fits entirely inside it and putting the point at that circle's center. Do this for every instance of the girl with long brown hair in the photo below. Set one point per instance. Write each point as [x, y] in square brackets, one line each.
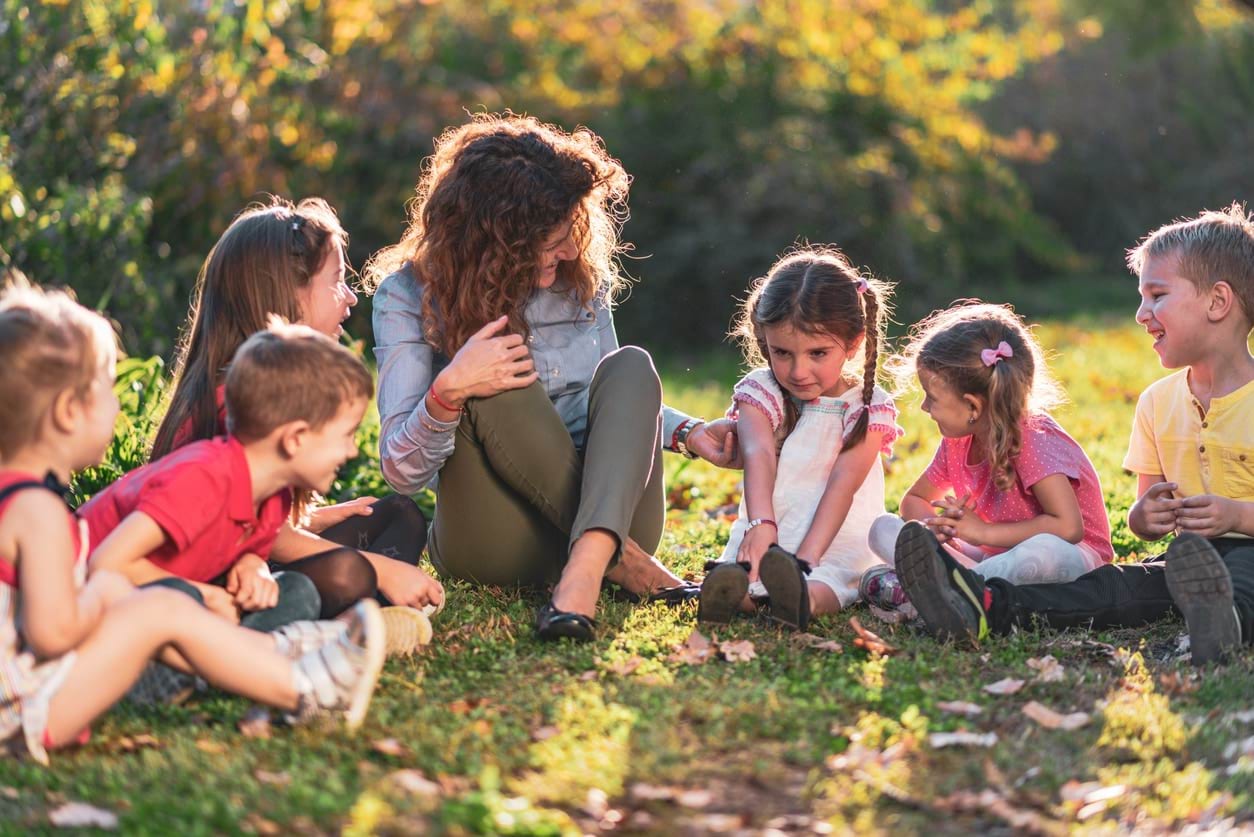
[500, 371]
[813, 425]
[288, 259]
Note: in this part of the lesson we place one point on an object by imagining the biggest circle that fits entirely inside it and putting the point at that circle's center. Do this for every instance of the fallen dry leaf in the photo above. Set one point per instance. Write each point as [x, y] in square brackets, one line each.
[131, 743]
[960, 707]
[281, 779]
[646, 792]
[587, 676]
[8, 792]
[819, 643]
[255, 723]
[413, 781]
[623, 668]
[962, 738]
[82, 815]
[390, 747]
[738, 651]
[695, 798]
[258, 824]
[1050, 719]
[1007, 686]
[1048, 669]
[464, 705]
[869, 640]
[208, 745]
[543, 733]
[994, 803]
[695, 651]
[1174, 683]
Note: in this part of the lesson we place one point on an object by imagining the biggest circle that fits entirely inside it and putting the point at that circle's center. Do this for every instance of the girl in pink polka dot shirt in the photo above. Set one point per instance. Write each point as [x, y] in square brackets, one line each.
[1008, 492]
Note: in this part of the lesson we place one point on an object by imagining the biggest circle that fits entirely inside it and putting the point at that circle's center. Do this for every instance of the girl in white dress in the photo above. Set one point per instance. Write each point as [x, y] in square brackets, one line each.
[812, 426]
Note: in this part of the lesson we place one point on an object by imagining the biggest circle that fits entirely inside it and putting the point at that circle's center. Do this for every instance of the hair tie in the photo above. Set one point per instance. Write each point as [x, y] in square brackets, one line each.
[298, 221]
[991, 356]
[862, 285]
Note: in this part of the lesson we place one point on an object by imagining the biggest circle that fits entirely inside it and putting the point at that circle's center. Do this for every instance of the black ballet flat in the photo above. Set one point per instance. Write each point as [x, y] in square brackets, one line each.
[553, 624]
[784, 577]
[677, 595]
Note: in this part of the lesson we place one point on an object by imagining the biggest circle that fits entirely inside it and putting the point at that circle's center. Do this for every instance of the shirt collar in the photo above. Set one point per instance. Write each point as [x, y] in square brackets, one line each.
[240, 502]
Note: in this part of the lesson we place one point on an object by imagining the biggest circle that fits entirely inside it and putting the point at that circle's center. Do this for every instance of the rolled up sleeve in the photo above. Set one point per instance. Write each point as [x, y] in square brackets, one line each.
[413, 444]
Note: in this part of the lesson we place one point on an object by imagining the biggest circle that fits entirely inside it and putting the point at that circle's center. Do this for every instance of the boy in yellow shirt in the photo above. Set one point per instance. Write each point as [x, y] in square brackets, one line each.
[1192, 449]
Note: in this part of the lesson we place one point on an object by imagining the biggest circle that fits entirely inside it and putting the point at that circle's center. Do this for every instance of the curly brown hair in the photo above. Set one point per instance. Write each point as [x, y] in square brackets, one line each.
[493, 192]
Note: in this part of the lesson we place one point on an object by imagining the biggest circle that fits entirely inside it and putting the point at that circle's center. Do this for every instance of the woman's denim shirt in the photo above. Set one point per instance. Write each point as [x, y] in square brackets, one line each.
[567, 342]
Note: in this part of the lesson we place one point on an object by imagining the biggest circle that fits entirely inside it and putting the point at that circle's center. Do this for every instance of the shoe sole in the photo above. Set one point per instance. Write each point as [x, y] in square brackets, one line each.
[376, 652]
[925, 578]
[407, 629]
[721, 594]
[787, 587]
[724, 588]
[1201, 587]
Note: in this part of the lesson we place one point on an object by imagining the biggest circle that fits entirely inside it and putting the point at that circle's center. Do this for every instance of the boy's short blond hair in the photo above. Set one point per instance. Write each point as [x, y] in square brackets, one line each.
[290, 373]
[48, 344]
[1216, 246]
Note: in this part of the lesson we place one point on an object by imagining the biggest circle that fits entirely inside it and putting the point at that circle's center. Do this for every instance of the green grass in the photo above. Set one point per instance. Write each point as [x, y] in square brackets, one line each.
[511, 736]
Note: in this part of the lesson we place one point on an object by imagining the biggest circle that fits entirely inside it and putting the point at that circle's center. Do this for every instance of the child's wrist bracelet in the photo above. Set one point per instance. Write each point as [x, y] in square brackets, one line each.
[440, 402]
[758, 521]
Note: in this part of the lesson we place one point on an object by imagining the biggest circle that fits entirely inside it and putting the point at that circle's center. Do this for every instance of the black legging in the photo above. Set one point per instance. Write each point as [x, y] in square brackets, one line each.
[396, 528]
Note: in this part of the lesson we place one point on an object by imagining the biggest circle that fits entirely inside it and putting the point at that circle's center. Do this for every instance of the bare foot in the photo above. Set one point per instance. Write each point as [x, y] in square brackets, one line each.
[639, 572]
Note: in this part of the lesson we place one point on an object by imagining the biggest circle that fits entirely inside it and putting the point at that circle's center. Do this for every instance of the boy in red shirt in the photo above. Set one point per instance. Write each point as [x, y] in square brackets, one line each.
[204, 518]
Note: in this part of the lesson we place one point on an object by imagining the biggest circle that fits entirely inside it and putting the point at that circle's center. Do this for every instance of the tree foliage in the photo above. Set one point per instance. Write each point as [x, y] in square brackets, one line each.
[131, 132]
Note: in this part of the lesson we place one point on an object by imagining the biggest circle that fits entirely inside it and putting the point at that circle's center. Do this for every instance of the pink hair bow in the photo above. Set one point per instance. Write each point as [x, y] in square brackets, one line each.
[862, 286]
[991, 356]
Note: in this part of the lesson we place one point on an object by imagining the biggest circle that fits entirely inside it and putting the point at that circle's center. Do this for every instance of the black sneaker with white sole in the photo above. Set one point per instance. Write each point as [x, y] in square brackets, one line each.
[950, 598]
[1201, 587]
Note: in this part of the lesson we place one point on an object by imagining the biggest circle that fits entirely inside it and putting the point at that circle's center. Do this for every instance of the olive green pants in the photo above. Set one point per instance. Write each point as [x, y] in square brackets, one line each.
[516, 492]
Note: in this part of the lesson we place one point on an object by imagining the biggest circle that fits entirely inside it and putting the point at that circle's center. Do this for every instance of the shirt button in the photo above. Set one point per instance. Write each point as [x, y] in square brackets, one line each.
[1205, 425]
[1242, 457]
[1201, 448]
[531, 338]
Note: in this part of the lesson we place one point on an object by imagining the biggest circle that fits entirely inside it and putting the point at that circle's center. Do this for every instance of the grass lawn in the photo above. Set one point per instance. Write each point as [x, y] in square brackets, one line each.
[491, 732]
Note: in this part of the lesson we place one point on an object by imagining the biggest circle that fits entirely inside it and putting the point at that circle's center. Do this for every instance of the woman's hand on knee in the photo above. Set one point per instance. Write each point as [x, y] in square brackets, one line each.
[715, 442]
[489, 363]
[405, 584]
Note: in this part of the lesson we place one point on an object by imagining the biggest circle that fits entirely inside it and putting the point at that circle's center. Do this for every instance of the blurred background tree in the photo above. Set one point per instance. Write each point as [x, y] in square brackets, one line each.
[959, 148]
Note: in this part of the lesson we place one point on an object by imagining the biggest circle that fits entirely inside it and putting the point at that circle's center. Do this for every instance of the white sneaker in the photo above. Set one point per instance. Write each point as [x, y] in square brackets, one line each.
[341, 675]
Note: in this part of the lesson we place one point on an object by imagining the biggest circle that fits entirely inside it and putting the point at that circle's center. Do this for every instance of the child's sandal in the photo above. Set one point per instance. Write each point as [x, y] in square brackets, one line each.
[784, 577]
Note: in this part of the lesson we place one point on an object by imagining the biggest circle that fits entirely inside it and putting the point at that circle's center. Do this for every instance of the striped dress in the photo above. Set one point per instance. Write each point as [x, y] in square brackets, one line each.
[26, 683]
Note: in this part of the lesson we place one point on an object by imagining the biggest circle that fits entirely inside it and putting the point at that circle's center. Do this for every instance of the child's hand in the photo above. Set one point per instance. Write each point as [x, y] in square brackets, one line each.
[324, 517]
[1208, 515]
[1155, 513]
[950, 509]
[250, 583]
[219, 601]
[405, 584]
[753, 546]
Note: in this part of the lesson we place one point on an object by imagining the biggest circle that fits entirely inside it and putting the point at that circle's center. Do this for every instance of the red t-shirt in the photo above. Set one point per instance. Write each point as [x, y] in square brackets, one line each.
[8, 570]
[201, 497]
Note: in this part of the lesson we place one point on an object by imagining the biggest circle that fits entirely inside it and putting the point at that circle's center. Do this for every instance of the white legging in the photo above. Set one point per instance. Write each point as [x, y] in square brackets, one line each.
[1039, 559]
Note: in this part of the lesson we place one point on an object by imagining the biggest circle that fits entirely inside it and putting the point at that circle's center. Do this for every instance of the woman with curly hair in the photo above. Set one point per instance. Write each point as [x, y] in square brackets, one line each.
[500, 372]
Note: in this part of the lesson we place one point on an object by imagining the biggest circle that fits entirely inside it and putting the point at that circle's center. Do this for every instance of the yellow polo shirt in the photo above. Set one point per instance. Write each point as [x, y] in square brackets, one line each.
[1204, 453]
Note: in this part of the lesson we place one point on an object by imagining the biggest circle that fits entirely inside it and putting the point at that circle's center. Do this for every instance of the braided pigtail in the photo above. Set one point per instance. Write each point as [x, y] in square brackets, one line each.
[871, 347]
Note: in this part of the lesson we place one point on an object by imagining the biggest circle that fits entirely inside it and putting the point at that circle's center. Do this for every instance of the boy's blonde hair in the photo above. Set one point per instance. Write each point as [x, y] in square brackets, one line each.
[48, 344]
[950, 344]
[288, 373]
[1216, 246]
